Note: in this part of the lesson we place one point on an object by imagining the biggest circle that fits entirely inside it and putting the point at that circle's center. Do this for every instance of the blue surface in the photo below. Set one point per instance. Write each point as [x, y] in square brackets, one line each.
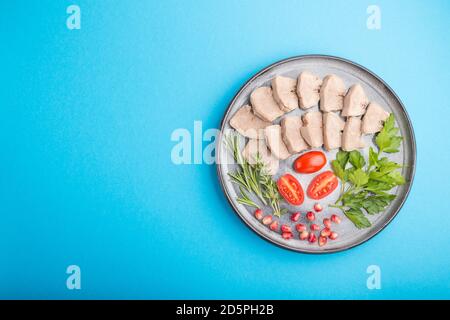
[86, 176]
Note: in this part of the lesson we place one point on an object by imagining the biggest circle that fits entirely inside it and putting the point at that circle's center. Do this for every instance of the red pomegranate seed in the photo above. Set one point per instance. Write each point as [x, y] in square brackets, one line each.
[322, 241]
[274, 226]
[333, 235]
[317, 207]
[285, 228]
[287, 235]
[310, 216]
[300, 227]
[327, 222]
[258, 214]
[312, 238]
[315, 227]
[304, 235]
[267, 220]
[295, 216]
[325, 232]
[335, 219]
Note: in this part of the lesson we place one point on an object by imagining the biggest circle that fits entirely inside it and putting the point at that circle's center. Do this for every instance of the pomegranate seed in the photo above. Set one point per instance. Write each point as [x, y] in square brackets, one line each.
[304, 235]
[258, 214]
[322, 241]
[333, 235]
[267, 220]
[317, 207]
[310, 216]
[335, 219]
[315, 227]
[312, 238]
[300, 227]
[287, 235]
[285, 228]
[274, 226]
[327, 222]
[325, 232]
[295, 216]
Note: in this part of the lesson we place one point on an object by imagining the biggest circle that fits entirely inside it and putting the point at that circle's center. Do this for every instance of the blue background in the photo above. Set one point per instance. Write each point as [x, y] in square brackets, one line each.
[86, 176]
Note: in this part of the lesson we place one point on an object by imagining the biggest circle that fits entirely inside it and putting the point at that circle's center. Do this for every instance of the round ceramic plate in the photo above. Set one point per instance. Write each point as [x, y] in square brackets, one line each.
[377, 90]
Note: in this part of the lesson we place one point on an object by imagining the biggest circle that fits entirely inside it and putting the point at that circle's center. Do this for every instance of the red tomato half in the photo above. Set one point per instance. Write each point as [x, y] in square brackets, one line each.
[310, 162]
[322, 185]
[291, 189]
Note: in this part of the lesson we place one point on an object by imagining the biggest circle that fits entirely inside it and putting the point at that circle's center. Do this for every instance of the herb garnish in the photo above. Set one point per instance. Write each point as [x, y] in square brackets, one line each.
[364, 187]
[253, 179]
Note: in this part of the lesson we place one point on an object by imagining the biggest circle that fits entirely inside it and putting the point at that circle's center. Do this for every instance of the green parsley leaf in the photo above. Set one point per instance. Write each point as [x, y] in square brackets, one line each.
[356, 159]
[354, 200]
[397, 178]
[342, 158]
[338, 170]
[376, 204]
[358, 177]
[387, 139]
[394, 146]
[393, 178]
[386, 166]
[377, 186]
[373, 158]
[357, 217]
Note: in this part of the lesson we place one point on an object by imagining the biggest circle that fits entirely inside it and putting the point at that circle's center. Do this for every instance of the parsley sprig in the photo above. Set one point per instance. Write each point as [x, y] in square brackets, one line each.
[365, 186]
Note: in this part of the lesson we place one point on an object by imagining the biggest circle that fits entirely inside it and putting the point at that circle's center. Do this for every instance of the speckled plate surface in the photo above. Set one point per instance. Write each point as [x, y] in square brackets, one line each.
[377, 90]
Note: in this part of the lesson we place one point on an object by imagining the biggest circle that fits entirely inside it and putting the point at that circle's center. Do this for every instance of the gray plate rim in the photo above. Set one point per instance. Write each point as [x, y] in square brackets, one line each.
[373, 232]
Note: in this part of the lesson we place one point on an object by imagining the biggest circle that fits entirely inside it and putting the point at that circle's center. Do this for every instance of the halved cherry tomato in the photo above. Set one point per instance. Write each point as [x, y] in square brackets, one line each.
[322, 185]
[310, 162]
[291, 189]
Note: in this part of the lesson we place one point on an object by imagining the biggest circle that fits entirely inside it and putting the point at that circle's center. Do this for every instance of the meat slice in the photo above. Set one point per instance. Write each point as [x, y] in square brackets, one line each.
[275, 142]
[332, 130]
[332, 93]
[312, 129]
[355, 102]
[247, 124]
[312, 118]
[264, 105]
[308, 88]
[255, 148]
[290, 132]
[351, 137]
[374, 118]
[284, 92]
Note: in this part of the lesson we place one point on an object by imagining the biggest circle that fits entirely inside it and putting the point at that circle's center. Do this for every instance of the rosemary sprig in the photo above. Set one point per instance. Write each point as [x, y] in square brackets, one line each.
[253, 179]
[247, 176]
[271, 194]
[244, 199]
